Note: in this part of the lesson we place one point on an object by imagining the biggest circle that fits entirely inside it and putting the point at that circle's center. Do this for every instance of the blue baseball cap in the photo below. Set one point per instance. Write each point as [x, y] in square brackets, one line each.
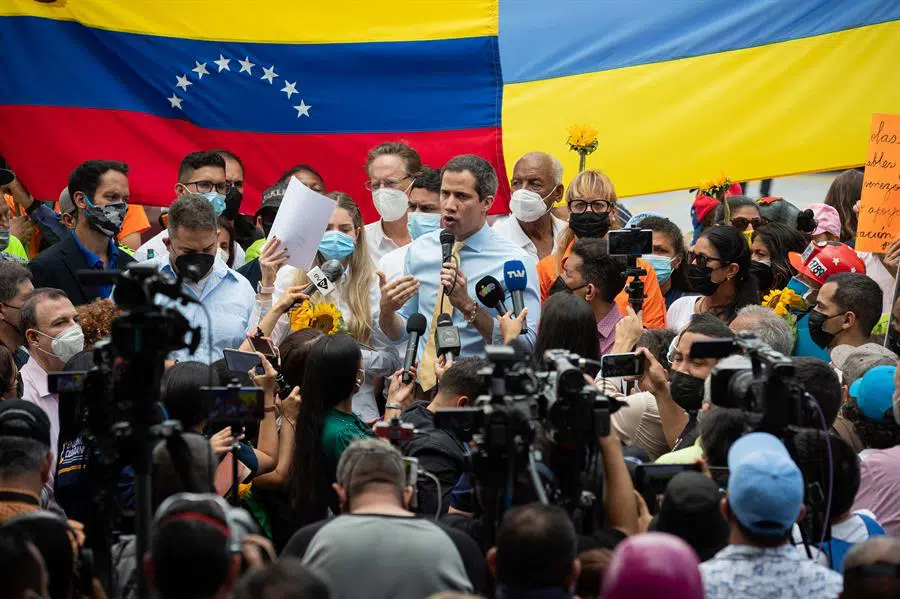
[765, 486]
[874, 393]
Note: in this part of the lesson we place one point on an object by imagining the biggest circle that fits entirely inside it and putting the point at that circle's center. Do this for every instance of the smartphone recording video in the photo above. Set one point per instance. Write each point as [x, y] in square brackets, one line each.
[263, 345]
[619, 365]
[630, 242]
[234, 405]
[242, 361]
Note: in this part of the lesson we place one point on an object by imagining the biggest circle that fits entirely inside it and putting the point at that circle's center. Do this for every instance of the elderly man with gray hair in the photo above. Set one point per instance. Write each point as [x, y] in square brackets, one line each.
[768, 326]
[220, 292]
[536, 185]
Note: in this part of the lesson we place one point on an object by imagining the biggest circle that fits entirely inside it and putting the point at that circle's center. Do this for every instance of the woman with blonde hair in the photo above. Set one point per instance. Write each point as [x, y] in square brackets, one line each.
[592, 202]
[357, 296]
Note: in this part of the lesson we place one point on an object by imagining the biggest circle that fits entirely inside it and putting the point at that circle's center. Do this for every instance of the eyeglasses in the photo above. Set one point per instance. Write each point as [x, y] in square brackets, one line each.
[740, 222]
[702, 260]
[596, 206]
[374, 184]
[208, 186]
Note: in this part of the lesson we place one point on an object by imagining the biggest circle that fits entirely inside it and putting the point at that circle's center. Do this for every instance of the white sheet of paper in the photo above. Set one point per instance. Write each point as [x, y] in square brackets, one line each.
[301, 221]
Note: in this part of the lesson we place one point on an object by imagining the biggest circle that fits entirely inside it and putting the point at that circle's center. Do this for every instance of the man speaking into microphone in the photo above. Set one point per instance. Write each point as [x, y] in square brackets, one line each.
[431, 287]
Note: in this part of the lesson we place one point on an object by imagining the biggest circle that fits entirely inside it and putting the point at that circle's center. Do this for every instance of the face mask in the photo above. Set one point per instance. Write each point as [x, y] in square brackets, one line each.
[4, 239]
[763, 273]
[527, 206]
[267, 226]
[800, 288]
[420, 223]
[560, 286]
[336, 245]
[195, 266]
[391, 204]
[222, 255]
[217, 200]
[686, 390]
[662, 265]
[233, 201]
[817, 333]
[589, 224]
[68, 343]
[105, 219]
[700, 279]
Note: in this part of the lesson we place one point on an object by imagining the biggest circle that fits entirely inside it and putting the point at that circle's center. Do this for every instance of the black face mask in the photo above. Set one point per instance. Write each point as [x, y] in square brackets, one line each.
[819, 335]
[589, 224]
[700, 279]
[560, 286]
[686, 390]
[233, 201]
[763, 274]
[193, 267]
[267, 225]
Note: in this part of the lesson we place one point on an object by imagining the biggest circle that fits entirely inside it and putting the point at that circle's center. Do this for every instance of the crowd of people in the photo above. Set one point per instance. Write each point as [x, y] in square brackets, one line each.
[691, 494]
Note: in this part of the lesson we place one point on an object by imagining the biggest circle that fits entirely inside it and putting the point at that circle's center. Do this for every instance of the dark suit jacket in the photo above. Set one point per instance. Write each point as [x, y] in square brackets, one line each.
[56, 267]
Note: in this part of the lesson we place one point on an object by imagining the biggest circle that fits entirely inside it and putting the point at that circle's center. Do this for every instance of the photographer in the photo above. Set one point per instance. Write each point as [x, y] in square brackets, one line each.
[679, 395]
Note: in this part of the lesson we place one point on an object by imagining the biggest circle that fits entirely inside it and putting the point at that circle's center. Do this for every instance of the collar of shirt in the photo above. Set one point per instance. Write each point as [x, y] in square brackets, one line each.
[479, 240]
[748, 552]
[37, 376]
[376, 237]
[521, 239]
[607, 325]
[94, 261]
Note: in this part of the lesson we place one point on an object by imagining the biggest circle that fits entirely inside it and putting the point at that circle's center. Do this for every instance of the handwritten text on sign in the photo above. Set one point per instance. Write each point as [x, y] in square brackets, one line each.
[879, 211]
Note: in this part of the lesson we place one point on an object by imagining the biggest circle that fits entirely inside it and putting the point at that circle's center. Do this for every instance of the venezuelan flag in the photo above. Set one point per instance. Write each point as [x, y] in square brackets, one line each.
[276, 82]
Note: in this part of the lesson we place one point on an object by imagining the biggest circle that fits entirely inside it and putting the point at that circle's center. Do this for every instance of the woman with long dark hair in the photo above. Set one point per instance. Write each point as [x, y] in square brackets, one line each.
[567, 322]
[669, 258]
[719, 271]
[769, 253]
[326, 424]
[843, 195]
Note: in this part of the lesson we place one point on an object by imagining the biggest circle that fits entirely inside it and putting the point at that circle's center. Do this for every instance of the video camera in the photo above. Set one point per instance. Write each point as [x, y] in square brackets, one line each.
[765, 389]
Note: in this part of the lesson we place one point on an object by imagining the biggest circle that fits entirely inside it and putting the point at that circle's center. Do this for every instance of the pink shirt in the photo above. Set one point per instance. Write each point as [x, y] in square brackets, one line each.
[606, 329]
[879, 488]
[34, 381]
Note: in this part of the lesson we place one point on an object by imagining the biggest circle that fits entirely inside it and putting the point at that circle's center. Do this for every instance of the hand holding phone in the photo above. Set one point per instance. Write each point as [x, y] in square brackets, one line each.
[243, 361]
[654, 377]
[619, 365]
[262, 345]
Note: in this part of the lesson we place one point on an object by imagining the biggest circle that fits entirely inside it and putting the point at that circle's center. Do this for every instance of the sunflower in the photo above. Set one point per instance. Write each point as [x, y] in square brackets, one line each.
[582, 138]
[713, 187]
[325, 317]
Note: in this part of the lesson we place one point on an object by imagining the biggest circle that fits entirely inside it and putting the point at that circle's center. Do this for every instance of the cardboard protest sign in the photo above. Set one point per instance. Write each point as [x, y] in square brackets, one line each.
[879, 210]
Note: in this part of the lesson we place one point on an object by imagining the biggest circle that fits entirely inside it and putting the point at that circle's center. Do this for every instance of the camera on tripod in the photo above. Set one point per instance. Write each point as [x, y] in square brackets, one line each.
[632, 243]
[761, 383]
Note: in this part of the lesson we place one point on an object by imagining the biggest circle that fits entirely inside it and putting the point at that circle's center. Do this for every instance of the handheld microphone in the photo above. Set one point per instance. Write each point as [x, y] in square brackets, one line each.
[446, 337]
[415, 326]
[324, 278]
[516, 279]
[447, 241]
[491, 294]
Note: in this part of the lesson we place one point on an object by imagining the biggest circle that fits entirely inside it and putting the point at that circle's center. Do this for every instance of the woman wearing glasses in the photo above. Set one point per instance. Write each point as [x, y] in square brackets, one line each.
[745, 216]
[591, 200]
[719, 270]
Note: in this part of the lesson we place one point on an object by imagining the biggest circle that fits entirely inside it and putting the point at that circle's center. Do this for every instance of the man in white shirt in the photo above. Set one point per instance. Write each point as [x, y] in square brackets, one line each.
[536, 185]
[391, 168]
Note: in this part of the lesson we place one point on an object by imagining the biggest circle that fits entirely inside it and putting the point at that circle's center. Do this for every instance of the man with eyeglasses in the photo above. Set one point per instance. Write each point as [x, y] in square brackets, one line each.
[536, 185]
[391, 168]
[203, 173]
[99, 190]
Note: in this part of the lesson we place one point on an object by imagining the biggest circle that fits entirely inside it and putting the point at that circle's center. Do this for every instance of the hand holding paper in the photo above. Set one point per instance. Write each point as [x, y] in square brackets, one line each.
[301, 222]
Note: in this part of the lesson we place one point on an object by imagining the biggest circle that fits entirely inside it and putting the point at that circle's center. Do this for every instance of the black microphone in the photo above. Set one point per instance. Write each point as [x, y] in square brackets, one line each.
[415, 326]
[446, 337]
[333, 271]
[491, 293]
[447, 241]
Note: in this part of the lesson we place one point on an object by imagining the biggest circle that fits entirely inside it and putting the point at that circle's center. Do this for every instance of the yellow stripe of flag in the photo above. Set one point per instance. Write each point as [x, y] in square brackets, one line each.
[276, 21]
[792, 107]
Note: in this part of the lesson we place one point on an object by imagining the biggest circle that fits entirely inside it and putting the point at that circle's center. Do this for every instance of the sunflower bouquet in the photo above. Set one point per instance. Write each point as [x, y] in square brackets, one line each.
[786, 303]
[583, 140]
[325, 317]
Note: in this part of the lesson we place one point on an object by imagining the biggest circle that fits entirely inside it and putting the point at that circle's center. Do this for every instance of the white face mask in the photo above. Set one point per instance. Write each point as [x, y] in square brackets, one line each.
[222, 255]
[527, 206]
[391, 204]
[66, 344]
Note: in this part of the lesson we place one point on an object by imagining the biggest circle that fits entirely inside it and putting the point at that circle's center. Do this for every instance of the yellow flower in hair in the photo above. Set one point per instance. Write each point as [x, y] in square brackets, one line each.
[325, 317]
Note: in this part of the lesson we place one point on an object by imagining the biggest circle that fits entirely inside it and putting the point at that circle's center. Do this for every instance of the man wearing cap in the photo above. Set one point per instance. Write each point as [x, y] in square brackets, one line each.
[27, 460]
[691, 510]
[265, 218]
[847, 308]
[361, 552]
[818, 262]
[765, 499]
[851, 424]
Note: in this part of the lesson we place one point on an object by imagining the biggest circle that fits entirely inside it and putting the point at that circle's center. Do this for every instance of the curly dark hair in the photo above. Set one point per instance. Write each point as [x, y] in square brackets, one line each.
[874, 435]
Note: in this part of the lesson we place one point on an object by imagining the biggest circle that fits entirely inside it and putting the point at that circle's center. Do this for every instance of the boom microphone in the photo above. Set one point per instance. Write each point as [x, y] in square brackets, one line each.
[447, 241]
[491, 294]
[415, 326]
[516, 279]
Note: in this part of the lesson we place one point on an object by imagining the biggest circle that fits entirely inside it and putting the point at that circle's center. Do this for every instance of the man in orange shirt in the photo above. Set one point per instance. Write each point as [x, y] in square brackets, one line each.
[591, 199]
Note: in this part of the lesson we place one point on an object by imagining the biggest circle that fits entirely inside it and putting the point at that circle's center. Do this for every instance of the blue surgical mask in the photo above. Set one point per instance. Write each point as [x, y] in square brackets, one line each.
[800, 288]
[662, 265]
[420, 223]
[336, 245]
[217, 200]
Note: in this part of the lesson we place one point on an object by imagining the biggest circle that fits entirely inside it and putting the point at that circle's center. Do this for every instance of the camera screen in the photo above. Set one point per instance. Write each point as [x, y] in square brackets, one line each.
[66, 382]
[618, 365]
[235, 404]
[630, 242]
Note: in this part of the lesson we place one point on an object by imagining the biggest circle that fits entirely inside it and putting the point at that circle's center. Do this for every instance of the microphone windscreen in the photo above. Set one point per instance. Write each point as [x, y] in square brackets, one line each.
[444, 319]
[515, 275]
[447, 237]
[416, 324]
[332, 269]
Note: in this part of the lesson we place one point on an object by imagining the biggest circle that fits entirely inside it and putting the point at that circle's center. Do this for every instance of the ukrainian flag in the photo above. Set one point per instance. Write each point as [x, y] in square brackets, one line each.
[679, 91]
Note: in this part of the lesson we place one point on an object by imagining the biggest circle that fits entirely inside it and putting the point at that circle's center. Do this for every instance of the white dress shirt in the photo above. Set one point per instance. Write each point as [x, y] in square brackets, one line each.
[508, 227]
[381, 360]
[379, 243]
[392, 266]
[159, 248]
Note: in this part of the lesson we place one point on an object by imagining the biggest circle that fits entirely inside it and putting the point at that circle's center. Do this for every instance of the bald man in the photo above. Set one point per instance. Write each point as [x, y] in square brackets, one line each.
[536, 185]
[872, 570]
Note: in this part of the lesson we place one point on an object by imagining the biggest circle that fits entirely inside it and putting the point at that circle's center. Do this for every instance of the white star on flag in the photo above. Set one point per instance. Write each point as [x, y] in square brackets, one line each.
[183, 82]
[302, 109]
[175, 102]
[836, 261]
[246, 65]
[223, 63]
[290, 89]
[269, 74]
[200, 69]
[853, 269]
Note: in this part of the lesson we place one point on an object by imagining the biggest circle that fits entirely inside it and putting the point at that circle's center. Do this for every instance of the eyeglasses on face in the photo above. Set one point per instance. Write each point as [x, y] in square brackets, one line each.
[701, 260]
[374, 184]
[595, 206]
[741, 223]
[208, 186]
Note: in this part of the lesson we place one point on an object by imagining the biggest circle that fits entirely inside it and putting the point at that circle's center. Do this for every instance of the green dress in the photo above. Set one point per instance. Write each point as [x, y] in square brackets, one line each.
[339, 430]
